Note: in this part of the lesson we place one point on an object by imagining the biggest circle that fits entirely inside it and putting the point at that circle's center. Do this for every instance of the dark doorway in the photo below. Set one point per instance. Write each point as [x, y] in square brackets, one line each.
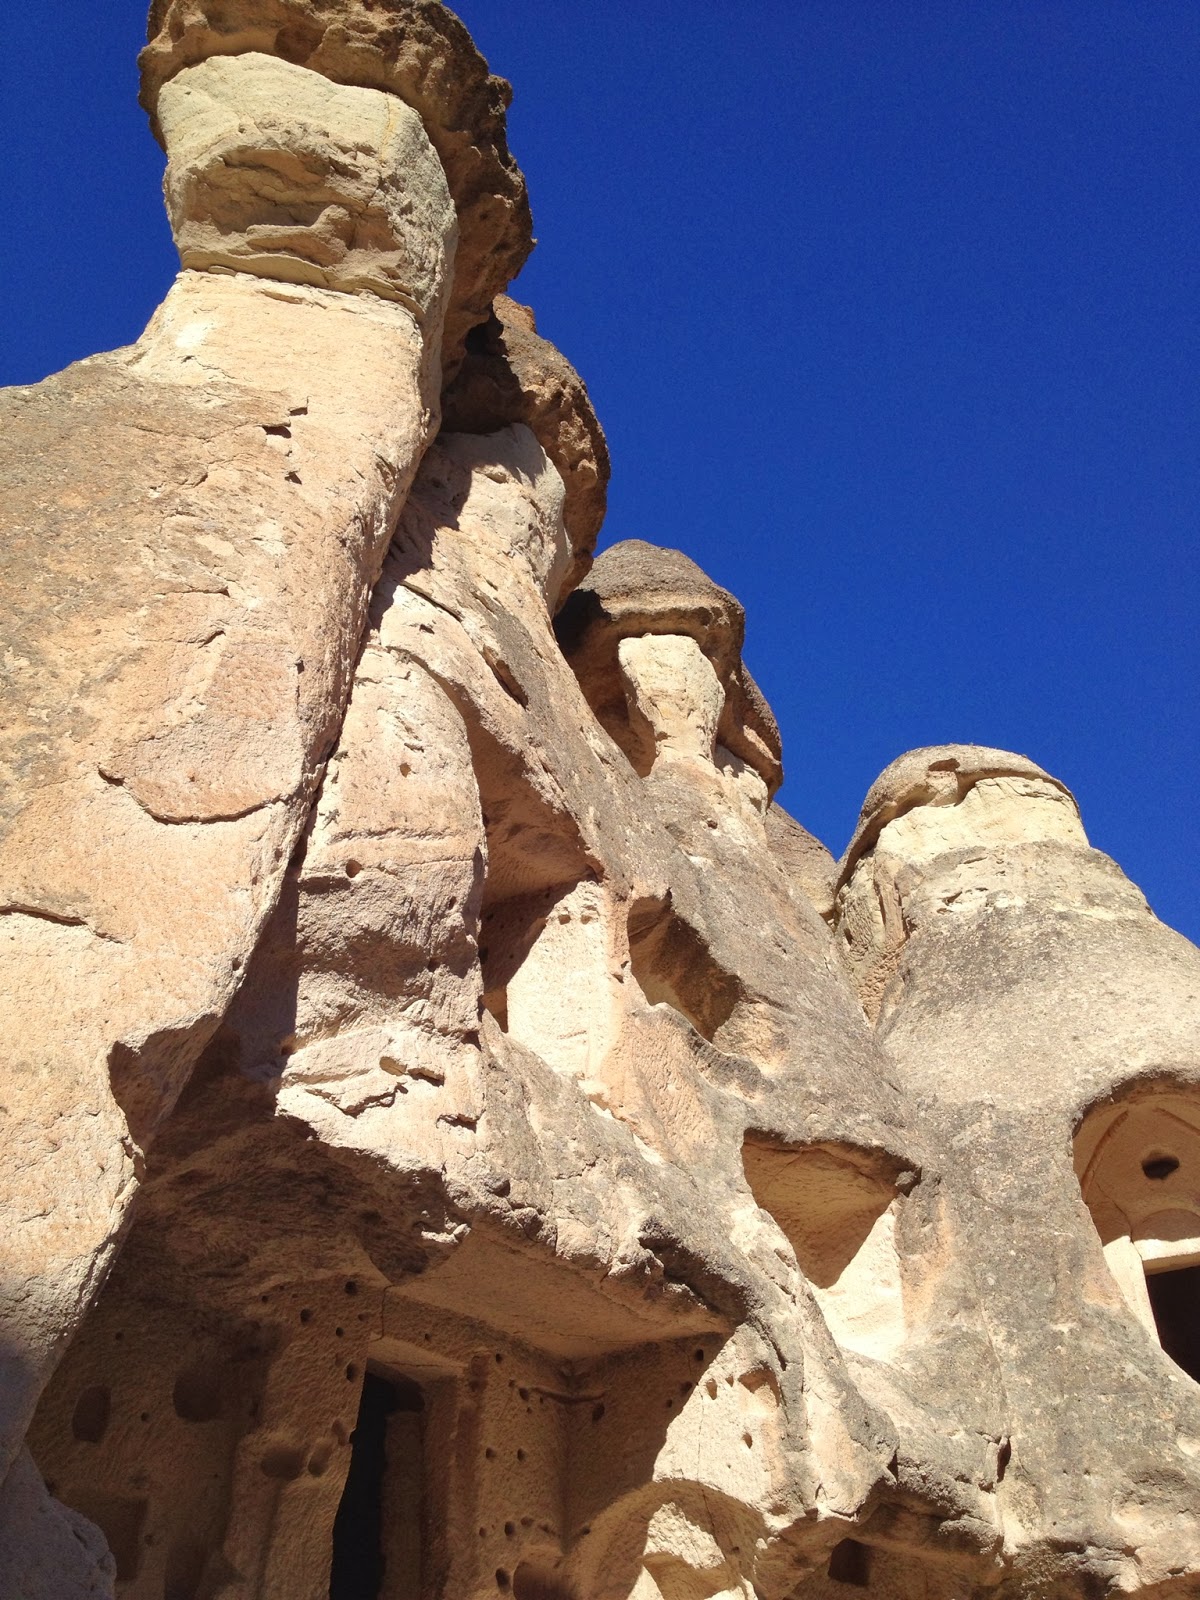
[1175, 1299]
[384, 1456]
[850, 1562]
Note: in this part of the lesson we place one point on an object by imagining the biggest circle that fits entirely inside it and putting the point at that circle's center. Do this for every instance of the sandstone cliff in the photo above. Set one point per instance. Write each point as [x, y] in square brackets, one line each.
[464, 1139]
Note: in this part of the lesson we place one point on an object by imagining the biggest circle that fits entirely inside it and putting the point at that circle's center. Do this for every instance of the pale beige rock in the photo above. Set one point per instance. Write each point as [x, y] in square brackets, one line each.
[808, 864]
[512, 375]
[930, 804]
[185, 591]
[673, 695]
[642, 589]
[415, 50]
[549, 1196]
[444, 1129]
[276, 171]
[1028, 995]
[47, 1548]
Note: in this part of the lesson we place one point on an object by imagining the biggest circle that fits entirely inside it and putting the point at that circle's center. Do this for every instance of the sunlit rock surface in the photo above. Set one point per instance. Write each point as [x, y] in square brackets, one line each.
[463, 1138]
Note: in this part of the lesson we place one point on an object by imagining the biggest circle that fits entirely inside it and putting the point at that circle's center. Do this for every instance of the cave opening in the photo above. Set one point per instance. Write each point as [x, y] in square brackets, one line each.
[1175, 1301]
[377, 1531]
[850, 1563]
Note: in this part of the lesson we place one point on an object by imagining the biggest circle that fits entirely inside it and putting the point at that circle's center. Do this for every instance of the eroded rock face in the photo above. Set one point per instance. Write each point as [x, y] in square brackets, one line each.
[1039, 1015]
[192, 530]
[415, 50]
[641, 589]
[464, 1137]
[512, 375]
[276, 171]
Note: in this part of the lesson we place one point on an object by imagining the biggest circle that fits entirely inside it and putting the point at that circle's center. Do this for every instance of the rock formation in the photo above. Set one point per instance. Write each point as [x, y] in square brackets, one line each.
[464, 1139]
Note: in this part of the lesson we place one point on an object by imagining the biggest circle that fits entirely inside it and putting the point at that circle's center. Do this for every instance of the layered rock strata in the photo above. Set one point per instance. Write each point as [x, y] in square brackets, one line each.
[466, 1139]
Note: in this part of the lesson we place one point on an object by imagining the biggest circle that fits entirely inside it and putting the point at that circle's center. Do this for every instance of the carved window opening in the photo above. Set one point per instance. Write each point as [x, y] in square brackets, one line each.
[1138, 1162]
[1175, 1302]
[121, 1521]
[377, 1541]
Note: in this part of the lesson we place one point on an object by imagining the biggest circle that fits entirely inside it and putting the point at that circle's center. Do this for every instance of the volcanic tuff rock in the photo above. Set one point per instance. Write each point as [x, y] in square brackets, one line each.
[415, 50]
[511, 374]
[464, 1137]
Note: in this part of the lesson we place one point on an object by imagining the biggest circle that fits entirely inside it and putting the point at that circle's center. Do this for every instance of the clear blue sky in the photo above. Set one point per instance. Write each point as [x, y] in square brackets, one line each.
[890, 312]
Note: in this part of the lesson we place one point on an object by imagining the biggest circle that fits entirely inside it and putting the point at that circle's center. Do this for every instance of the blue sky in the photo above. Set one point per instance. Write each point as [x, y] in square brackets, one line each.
[891, 314]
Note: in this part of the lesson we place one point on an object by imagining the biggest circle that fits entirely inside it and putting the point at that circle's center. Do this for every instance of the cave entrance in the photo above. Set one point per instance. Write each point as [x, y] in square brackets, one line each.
[1175, 1301]
[377, 1531]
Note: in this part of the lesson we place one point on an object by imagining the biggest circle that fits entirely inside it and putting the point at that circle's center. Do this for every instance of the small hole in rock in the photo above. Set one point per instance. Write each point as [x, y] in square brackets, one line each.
[89, 1422]
[196, 1395]
[1160, 1167]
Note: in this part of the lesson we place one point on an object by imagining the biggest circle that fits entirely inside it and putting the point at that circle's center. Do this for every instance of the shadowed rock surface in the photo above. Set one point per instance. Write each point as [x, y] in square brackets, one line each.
[464, 1138]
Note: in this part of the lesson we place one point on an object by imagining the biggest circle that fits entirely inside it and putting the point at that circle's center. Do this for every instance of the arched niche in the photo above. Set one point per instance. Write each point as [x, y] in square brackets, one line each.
[1138, 1162]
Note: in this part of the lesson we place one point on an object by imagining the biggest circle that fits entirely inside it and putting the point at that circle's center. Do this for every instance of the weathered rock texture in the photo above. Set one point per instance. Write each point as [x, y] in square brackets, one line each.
[416, 51]
[464, 1138]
